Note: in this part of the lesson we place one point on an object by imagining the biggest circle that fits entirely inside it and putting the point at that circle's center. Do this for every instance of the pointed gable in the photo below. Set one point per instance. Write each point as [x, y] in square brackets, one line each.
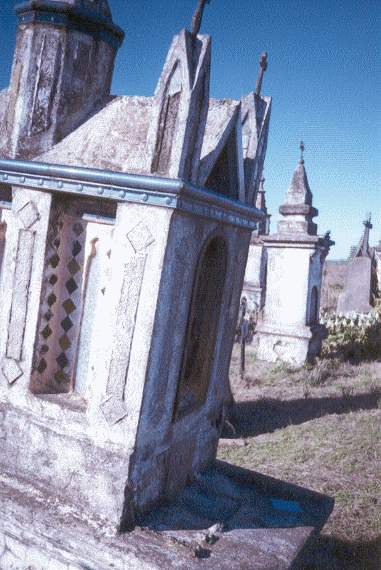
[255, 113]
[180, 109]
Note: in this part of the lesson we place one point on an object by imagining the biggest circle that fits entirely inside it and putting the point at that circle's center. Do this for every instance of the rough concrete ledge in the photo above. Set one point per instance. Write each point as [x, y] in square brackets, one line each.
[39, 532]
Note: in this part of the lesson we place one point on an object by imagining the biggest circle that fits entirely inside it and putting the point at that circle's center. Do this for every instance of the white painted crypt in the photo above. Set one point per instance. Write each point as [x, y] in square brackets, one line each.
[125, 228]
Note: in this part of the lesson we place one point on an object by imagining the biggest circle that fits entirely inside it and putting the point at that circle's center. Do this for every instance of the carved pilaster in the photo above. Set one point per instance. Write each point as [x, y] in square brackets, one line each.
[22, 282]
[114, 407]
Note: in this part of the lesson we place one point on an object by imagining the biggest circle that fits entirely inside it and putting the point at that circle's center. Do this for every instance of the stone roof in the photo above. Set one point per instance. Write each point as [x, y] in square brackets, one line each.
[115, 138]
[297, 211]
[299, 192]
[222, 116]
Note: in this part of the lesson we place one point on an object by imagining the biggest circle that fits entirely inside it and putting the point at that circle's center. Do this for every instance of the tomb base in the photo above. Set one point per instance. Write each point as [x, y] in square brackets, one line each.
[65, 463]
[265, 524]
[294, 346]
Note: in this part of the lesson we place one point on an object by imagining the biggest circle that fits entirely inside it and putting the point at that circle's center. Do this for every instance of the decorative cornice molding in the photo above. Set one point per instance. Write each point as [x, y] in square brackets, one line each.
[121, 187]
[80, 18]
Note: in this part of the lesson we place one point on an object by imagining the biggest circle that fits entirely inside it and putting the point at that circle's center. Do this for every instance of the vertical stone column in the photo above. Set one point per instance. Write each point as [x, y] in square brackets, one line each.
[125, 322]
[22, 280]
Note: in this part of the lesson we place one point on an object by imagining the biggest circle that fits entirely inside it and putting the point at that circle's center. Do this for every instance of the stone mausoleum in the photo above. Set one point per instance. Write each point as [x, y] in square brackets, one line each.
[125, 227]
[289, 329]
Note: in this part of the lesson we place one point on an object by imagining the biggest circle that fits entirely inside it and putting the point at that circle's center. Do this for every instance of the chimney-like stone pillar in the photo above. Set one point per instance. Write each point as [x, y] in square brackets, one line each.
[61, 74]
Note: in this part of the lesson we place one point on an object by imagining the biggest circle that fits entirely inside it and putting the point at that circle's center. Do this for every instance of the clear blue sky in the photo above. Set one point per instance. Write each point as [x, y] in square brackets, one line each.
[324, 76]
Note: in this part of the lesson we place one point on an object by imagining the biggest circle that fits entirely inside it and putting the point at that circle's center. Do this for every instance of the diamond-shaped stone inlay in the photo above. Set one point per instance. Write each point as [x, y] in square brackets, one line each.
[60, 376]
[76, 248]
[78, 229]
[73, 267]
[48, 315]
[66, 324]
[52, 299]
[53, 279]
[46, 332]
[62, 360]
[42, 366]
[11, 370]
[71, 285]
[54, 260]
[64, 342]
[69, 306]
[29, 215]
[140, 237]
[114, 410]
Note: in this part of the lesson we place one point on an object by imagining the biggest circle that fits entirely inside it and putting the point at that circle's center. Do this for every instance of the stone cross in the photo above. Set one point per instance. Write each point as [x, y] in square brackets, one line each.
[263, 61]
[302, 149]
[197, 17]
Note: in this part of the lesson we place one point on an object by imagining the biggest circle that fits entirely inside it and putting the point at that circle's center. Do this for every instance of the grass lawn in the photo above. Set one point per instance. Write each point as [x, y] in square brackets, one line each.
[323, 433]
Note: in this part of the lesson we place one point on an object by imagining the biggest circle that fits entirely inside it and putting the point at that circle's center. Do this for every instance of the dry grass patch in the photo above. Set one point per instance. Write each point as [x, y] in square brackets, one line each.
[328, 440]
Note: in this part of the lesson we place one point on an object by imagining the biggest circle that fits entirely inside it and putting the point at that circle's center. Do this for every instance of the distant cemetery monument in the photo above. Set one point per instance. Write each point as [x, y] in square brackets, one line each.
[360, 286]
[289, 328]
[353, 284]
[254, 286]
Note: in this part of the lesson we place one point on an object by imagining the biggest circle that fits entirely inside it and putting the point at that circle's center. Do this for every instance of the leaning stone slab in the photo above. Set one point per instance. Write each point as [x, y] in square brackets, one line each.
[357, 288]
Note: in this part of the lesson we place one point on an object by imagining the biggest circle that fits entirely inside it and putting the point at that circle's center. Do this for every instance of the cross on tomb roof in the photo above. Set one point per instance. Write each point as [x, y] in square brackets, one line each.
[197, 17]
[263, 63]
[302, 149]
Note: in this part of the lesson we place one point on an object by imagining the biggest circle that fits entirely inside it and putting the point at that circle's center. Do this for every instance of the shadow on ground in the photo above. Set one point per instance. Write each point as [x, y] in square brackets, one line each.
[249, 419]
[237, 498]
[330, 553]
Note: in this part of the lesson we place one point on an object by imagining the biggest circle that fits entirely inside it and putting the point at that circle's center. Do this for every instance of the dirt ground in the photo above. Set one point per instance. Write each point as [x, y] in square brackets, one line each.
[320, 429]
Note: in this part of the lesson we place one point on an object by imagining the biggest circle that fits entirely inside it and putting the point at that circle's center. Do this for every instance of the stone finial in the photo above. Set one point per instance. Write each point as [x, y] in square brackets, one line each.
[363, 249]
[197, 17]
[263, 62]
[297, 209]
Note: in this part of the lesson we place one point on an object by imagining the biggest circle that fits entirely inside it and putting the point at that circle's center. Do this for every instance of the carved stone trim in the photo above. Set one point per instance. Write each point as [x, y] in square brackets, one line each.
[11, 370]
[28, 215]
[20, 294]
[114, 407]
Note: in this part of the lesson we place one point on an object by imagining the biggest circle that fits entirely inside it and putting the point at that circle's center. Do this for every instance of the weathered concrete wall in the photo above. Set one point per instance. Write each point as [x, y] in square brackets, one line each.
[130, 338]
[169, 450]
[115, 369]
[287, 331]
